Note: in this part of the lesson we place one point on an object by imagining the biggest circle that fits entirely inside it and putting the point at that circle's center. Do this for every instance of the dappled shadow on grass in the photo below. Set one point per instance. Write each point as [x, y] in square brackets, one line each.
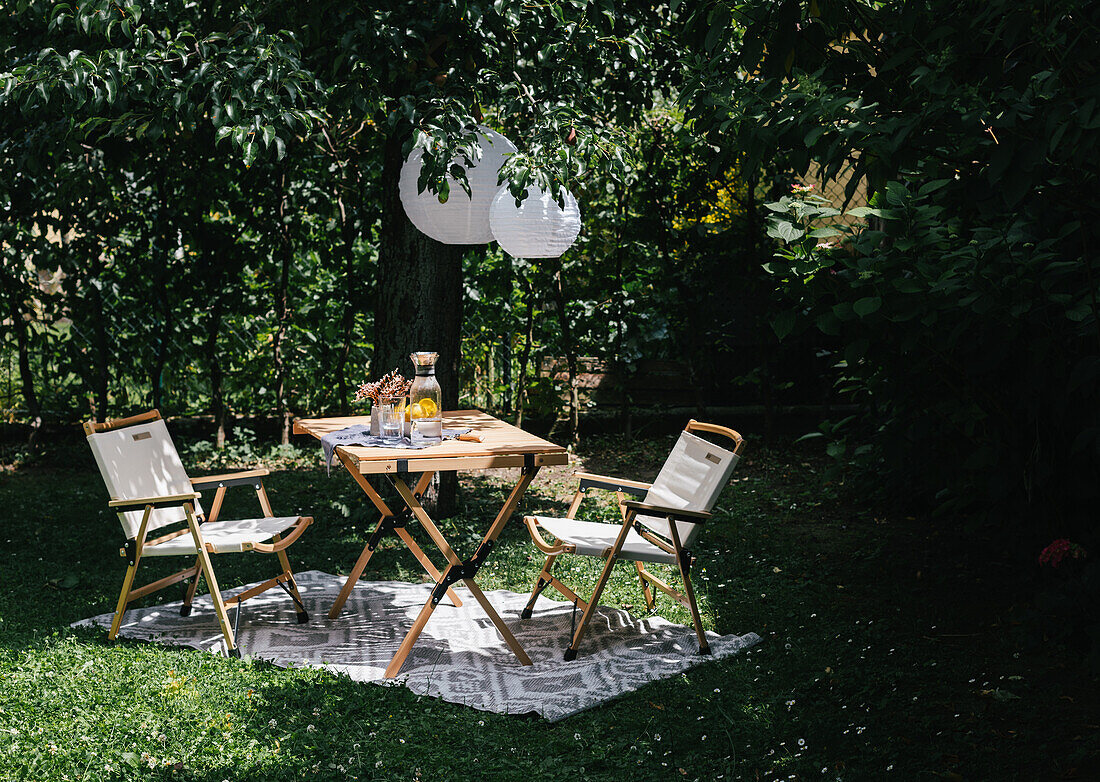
[874, 636]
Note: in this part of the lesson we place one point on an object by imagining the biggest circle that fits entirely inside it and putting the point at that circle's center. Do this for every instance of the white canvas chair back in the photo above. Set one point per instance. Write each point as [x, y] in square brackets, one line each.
[141, 461]
[692, 477]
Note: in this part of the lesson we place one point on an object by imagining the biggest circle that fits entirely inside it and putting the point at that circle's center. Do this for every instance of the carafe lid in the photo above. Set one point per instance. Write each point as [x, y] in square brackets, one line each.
[424, 362]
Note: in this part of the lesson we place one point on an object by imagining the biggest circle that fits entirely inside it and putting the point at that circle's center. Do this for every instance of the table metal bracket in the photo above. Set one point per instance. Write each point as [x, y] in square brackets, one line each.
[389, 524]
[462, 571]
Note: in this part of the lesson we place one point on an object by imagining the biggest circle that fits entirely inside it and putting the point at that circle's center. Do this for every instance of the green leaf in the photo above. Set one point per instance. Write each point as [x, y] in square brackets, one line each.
[1079, 312]
[864, 211]
[931, 187]
[787, 231]
[783, 324]
[814, 135]
[828, 323]
[719, 24]
[867, 305]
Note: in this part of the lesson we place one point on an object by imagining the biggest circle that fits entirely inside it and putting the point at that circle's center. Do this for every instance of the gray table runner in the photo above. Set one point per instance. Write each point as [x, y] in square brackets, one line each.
[359, 434]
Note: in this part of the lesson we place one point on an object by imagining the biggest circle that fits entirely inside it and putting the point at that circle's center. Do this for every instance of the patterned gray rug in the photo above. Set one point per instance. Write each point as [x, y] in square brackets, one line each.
[460, 657]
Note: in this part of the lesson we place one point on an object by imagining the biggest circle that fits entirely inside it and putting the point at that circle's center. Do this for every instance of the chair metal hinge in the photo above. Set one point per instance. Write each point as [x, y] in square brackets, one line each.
[297, 602]
[528, 464]
[686, 560]
[131, 551]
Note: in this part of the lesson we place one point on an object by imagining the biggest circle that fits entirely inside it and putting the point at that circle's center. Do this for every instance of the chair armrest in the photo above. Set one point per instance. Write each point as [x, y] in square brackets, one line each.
[244, 478]
[679, 514]
[156, 502]
[633, 488]
[271, 548]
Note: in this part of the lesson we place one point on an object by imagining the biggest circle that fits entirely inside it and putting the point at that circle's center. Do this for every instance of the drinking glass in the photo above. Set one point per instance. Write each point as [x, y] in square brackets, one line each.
[391, 416]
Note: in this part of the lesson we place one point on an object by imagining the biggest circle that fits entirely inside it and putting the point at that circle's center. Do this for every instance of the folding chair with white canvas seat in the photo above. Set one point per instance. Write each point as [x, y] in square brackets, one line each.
[150, 491]
[660, 528]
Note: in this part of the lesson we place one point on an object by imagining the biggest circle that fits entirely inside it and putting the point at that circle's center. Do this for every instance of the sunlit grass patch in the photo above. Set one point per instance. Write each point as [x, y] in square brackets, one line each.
[866, 671]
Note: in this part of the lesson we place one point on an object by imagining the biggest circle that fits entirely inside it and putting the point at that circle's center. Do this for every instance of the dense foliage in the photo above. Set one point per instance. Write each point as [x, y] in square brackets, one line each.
[965, 310]
[194, 201]
[195, 213]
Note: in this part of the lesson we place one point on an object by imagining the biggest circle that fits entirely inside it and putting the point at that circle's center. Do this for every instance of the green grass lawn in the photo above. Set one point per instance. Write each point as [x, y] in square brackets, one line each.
[892, 649]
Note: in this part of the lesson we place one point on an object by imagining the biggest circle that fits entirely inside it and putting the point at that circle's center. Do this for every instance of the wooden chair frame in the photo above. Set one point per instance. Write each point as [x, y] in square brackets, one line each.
[134, 548]
[629, 509]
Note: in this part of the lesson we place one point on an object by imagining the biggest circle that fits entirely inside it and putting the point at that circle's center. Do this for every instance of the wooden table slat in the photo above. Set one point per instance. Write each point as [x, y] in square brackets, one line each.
[502, 445]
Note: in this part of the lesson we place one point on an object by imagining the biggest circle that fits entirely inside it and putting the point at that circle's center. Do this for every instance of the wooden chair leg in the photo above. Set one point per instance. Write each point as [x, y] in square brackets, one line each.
[131, 571]
[189, 595]
[571, 651]
[541, 583]
[646, 591]
[689, 593]
[123, 600]
[212, 585]
[684, 561]
[291, 585]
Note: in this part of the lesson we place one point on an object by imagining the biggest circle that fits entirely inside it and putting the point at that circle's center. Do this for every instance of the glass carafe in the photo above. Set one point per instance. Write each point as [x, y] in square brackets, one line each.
[426, 401]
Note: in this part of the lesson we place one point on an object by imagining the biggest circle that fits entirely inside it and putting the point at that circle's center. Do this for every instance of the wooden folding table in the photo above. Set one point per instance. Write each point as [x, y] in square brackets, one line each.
[502, 445]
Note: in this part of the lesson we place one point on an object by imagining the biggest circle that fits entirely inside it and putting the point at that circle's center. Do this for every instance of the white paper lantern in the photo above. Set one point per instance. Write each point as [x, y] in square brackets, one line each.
[462, 219]
[537, 228]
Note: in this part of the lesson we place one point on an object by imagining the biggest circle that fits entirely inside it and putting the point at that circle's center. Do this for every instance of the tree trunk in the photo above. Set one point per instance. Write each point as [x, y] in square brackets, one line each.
[347, 328]
[282, 313]
[767, 388]
[506, 352]
[21, 327]
[161, 263]
[353, 290]
[217, 393]
[419, 303]
[619, 365]
[101, 370]
[525, 356]
[570, 356]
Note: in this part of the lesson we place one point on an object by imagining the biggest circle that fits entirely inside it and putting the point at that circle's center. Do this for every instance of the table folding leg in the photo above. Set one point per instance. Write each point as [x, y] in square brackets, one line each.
[390, 522]
[461, 570]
